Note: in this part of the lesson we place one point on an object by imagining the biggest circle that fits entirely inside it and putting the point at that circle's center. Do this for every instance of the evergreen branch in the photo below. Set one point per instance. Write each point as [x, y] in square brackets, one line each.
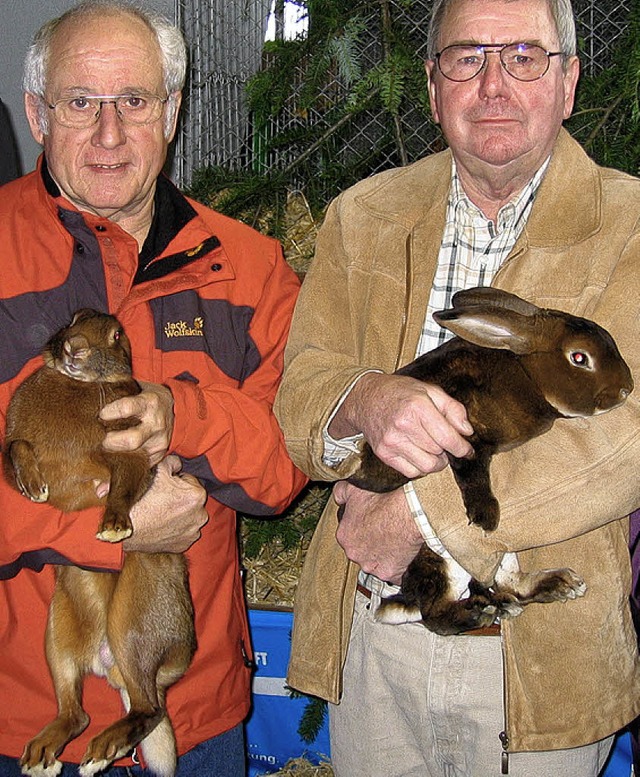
[312, 718]
[324, 137]
[397, 127]
[605, 118]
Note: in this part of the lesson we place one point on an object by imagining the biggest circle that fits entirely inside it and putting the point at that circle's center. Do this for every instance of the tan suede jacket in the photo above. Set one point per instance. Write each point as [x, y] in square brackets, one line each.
[572, 669]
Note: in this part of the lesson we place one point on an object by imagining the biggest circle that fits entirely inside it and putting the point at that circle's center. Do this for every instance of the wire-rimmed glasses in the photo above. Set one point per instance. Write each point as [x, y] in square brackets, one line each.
[522, 61]
[83, 111]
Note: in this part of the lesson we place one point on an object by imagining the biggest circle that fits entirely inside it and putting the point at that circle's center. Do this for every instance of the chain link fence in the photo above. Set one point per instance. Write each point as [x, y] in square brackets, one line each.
[226, 41]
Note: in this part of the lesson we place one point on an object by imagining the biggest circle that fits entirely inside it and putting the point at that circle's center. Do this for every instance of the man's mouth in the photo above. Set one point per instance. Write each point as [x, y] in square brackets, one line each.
[99, 166]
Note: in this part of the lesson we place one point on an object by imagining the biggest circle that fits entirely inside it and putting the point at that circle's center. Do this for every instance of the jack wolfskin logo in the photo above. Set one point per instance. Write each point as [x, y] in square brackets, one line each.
[183, 329]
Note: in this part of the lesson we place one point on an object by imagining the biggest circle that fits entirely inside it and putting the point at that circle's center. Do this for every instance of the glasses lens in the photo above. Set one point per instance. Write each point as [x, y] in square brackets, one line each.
[139, 108]
[525, 61]
[81, 112]
[461, 63]
[77, 111]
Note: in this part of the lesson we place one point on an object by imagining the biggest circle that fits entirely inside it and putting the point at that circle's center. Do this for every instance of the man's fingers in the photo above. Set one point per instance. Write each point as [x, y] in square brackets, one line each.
[416, 462]
[123, 408]
[174, 463]
[101, 487]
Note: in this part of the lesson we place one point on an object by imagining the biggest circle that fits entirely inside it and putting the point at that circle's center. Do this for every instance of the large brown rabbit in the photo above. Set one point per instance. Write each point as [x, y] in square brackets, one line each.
[516, 368]
[135, 627]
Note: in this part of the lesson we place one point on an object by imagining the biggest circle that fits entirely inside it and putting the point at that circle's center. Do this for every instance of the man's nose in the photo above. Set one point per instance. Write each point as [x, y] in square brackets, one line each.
[494, 79]
[109, 129]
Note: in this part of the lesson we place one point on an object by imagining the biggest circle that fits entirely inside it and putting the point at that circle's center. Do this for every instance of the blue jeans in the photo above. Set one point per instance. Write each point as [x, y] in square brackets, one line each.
[222, 756]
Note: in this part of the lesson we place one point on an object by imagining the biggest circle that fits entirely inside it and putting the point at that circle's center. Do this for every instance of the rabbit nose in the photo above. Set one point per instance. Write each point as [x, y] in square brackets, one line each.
[77, 347]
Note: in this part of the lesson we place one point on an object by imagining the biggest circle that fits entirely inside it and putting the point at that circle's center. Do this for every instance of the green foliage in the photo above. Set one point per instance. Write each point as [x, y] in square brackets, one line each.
[343, 49]
[269, 90]
[300, 521]
[355, 59]
[312, 718]
[606, 119]
[258, 199]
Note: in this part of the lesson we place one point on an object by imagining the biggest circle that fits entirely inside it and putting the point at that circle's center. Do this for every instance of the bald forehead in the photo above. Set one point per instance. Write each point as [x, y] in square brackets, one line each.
[105, 38]
[514, 19]
[120, 27]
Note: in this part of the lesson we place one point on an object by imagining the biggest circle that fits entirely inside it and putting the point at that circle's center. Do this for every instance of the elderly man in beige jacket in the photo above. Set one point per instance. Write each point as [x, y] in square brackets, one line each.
[517, 204]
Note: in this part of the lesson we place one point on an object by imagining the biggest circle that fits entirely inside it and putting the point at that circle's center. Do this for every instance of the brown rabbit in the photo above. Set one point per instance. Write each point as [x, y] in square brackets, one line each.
[516, 368]
[135, 627]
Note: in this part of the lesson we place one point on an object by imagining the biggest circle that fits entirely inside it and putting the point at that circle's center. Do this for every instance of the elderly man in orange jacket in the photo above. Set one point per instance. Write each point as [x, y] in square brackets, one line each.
[206, 302]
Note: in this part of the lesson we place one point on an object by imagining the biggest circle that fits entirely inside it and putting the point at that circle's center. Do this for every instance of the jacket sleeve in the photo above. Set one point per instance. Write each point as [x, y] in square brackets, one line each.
[580, 475]
[229, 435]
[322, 356]
[32, 535]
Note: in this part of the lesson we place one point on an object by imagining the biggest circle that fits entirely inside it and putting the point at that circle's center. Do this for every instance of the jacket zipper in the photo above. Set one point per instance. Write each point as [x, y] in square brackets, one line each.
[245, 656]
[504, 756]
[503, 735]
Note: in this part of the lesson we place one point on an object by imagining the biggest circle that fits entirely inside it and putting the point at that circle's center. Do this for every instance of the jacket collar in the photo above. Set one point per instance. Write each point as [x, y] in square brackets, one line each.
[571, 183]
[172, 213]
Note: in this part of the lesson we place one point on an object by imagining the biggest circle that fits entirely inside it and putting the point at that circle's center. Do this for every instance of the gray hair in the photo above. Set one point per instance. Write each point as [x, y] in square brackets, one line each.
[561, 12]
[173, 51]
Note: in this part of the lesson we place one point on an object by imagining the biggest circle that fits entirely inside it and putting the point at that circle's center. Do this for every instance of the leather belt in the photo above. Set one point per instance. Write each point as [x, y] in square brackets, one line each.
[483, 631]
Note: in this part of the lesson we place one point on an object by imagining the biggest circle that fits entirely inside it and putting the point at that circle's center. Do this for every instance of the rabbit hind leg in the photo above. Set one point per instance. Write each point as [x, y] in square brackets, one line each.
[150, 632]
[430, 594]
[70, 648]
[542, 586]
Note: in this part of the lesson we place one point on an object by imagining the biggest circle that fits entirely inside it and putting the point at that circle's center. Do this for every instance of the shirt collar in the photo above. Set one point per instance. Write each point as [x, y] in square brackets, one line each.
[466, 213]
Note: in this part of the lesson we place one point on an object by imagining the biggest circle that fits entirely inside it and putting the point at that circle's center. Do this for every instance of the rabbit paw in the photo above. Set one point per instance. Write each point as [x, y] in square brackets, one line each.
[114, 527]
[558, 585]
[508, 605]
[395, 611]
[92, 767]
[26, 471]
[485, 514]
[36, 491]
[103, 749]
[40, 770]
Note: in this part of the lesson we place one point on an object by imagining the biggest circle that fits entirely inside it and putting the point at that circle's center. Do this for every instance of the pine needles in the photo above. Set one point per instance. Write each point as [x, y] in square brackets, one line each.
[606, 119]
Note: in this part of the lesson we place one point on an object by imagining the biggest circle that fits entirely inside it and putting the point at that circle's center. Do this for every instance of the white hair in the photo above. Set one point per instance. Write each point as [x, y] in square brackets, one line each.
[173, 52]
[561, 12]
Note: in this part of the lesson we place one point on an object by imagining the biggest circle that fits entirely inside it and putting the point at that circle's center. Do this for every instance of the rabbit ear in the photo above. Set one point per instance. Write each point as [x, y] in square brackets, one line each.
[486, 295]
[491, 327]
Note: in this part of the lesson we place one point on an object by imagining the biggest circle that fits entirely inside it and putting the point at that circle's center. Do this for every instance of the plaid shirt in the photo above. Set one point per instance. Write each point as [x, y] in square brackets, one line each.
[472, 251]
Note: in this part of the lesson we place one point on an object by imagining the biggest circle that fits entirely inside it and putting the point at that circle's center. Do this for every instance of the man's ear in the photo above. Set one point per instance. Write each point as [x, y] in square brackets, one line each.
[34, 110]
[572, 73]
[170, 131]
[429, 67]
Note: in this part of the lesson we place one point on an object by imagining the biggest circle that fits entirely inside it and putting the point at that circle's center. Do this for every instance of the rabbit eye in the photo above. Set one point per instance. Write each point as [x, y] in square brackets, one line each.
[117, 335]
[579, 359]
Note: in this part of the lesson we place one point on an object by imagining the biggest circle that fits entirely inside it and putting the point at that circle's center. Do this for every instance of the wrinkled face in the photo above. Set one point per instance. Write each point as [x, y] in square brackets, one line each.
[493, 119]
[109, 168]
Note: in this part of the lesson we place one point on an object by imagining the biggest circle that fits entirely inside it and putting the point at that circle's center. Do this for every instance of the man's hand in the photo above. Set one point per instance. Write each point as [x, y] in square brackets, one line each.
[153, 407]
[170, 515]
[377, 531]
[410, 425]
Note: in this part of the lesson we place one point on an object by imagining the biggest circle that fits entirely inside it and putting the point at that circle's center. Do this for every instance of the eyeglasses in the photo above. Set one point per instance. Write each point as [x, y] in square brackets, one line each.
[84, 110]
[522, 61]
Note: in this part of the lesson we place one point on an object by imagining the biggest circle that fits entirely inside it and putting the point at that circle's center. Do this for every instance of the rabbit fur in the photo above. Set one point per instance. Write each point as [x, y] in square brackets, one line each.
[135, 627]
[516, 368]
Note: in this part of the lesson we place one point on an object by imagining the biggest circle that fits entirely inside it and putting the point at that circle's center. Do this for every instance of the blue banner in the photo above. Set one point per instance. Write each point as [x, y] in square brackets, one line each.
[619, 763]
[272, 728]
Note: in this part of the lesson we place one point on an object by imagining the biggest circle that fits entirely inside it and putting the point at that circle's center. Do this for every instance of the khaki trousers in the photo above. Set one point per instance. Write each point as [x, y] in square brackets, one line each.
[419, 705]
